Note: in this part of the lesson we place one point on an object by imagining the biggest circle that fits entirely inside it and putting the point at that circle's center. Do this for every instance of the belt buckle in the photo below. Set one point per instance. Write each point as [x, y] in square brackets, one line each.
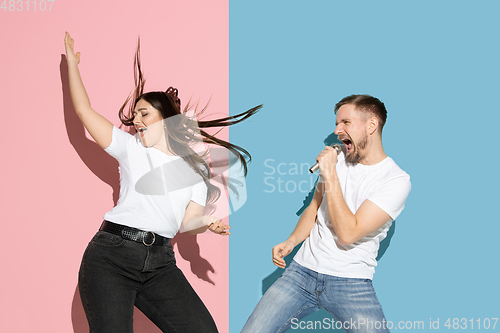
[144, 238]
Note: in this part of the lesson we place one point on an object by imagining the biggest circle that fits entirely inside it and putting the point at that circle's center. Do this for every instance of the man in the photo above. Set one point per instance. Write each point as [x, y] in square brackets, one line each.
[359, 194]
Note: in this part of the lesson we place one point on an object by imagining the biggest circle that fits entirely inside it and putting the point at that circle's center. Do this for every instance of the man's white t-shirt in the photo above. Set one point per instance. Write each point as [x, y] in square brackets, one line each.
[384, 184]
[155, 188]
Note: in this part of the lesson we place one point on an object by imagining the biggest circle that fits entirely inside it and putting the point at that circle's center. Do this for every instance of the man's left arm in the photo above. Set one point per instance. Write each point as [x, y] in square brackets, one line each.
[349, 227]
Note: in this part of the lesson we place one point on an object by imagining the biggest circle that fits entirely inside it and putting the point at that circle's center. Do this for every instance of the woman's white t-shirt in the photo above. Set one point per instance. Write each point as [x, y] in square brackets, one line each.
[155, 188]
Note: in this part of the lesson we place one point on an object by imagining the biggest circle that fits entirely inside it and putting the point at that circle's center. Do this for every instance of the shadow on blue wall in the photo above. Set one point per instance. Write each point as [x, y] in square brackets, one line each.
[270, 279]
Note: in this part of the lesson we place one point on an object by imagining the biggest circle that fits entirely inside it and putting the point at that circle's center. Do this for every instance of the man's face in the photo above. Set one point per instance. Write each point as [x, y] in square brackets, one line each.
[352, 131]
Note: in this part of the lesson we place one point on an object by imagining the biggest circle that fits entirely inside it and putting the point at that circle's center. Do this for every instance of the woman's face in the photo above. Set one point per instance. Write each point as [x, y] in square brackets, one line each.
[149, 124]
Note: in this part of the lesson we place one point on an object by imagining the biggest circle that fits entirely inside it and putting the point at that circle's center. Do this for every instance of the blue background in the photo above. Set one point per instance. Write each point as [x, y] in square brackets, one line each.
[435, 65]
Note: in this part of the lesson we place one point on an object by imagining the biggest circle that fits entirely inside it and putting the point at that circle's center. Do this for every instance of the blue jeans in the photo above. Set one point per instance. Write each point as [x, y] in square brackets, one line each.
[301, 291]
[116, 273]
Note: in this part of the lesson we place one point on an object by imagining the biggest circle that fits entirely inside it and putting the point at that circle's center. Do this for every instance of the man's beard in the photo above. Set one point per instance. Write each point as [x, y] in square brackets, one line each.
[354, 157]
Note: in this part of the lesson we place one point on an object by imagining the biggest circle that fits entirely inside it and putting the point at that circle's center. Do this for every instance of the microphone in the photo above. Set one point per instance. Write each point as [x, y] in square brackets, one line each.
[338, 147]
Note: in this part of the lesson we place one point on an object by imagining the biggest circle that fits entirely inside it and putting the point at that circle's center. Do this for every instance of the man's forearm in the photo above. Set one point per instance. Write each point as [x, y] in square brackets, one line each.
[304, 226]
[343, 220]
[302, 229]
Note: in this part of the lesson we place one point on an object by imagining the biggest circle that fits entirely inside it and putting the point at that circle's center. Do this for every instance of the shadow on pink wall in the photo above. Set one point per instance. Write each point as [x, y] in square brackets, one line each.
[106, 168]
[96, 159]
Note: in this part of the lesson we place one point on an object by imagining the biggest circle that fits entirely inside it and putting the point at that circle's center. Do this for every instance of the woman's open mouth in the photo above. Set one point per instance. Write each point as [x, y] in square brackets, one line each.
[141, 131]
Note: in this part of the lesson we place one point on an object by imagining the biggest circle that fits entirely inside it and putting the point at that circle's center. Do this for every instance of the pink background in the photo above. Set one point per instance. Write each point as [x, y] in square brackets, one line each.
[56, 183]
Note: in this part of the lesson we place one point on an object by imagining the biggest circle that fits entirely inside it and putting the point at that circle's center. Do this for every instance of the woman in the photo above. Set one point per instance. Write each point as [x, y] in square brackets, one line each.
[164, 186]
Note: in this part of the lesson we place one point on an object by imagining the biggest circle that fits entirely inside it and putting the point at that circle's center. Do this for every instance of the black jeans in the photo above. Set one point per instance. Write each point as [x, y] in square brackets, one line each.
[117, 274]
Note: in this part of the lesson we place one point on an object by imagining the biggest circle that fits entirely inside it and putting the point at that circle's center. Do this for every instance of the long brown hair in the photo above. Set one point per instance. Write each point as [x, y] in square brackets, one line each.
[179, 134]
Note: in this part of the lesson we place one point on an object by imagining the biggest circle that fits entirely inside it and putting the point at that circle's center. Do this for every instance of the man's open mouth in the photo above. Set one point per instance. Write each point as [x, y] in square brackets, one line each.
[348, 145]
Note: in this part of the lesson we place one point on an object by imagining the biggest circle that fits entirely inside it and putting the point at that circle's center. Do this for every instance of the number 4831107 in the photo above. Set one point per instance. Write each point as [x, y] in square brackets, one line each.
[20, 5]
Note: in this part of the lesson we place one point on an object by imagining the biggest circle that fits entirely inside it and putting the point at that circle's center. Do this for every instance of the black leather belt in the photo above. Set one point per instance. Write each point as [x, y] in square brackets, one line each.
[147, 238]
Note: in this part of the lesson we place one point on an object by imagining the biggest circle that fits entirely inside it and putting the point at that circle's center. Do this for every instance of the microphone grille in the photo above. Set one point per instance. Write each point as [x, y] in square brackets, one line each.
[339, 148]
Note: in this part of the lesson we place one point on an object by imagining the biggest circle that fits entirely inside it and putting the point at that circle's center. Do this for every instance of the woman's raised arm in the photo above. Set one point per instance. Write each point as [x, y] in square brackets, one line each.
[98, 126]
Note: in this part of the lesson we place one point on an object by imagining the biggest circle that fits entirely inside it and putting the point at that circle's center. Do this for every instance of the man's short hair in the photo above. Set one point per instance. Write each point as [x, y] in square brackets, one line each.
[366, 104]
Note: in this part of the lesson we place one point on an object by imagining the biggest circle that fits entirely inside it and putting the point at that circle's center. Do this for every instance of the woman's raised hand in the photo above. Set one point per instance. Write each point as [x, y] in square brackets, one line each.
[71, 56]
[99, 127]
[217, 226]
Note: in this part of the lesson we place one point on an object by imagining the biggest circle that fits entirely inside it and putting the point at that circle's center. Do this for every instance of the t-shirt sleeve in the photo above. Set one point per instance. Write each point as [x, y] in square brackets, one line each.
[199, 195]
[391, 196]
[118, 146]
